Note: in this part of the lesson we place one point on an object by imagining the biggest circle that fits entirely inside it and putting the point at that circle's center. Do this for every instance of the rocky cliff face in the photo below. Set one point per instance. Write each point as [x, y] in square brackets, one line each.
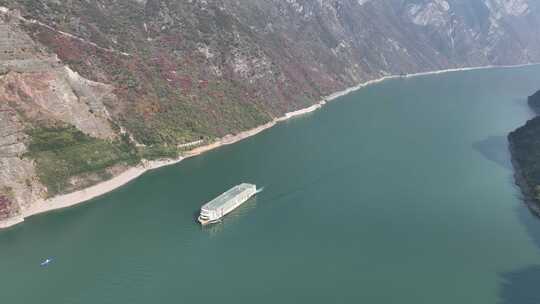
[168, 72]
[37, 89]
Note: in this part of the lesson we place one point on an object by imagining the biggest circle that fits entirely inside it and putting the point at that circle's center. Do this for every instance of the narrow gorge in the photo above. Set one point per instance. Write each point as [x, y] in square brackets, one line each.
[89, 89]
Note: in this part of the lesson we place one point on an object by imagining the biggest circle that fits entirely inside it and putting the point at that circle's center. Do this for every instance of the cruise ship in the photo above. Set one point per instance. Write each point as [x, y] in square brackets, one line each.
[215, 209]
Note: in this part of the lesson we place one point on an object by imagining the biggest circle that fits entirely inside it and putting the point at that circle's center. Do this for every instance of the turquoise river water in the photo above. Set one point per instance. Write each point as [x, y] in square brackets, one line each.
[401, 192]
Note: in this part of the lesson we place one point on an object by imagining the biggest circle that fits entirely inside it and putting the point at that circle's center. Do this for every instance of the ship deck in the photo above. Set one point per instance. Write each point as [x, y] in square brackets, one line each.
[219, 201]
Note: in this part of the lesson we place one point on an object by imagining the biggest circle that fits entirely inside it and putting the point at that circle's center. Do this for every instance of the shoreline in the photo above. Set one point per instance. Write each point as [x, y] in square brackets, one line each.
[81, 196]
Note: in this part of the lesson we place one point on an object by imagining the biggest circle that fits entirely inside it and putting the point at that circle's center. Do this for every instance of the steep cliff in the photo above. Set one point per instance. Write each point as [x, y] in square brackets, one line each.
[138, 78]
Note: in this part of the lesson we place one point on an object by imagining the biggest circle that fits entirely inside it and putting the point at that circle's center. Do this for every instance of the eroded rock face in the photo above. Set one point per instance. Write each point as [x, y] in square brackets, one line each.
[508, 7]
[19, 185]
[434, 13]
[7, 208]
[26, 99]
[59, 94]
[36, 88]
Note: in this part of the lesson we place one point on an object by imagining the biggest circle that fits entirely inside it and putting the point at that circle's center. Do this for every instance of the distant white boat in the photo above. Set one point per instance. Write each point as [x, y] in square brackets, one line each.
[46, 262]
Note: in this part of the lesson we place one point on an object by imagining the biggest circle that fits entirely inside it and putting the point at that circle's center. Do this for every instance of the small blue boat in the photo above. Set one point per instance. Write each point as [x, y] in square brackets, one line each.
[46, 262]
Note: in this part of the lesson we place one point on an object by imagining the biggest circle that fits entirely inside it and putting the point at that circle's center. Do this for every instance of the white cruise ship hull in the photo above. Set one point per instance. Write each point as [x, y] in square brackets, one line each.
[216, 209]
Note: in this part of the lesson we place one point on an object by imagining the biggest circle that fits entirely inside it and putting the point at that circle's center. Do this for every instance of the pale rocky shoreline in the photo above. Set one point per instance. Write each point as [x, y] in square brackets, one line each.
[77, 197]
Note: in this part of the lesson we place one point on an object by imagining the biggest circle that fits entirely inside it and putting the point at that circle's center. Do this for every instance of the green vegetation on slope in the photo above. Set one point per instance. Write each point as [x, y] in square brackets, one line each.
[158, 151]
[61, 153]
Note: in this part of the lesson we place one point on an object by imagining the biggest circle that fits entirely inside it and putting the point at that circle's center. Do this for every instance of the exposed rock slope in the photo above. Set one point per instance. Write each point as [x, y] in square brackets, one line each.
[37, 90]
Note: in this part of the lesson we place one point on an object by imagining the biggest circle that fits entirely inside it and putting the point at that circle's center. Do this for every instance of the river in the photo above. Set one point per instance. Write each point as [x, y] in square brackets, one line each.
[401, 192]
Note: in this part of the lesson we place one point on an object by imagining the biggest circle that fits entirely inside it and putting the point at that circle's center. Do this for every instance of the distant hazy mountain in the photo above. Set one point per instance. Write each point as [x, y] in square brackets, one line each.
[89, 87]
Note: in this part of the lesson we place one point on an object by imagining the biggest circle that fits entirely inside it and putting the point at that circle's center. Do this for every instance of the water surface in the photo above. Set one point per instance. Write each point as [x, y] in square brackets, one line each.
[401, 192]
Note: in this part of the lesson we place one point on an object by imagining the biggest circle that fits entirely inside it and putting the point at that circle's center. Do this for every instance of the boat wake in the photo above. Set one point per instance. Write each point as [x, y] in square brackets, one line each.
[259, 190]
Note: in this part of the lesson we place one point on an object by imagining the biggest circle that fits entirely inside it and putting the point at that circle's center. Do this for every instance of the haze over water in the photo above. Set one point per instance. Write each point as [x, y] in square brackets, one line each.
[401, 192]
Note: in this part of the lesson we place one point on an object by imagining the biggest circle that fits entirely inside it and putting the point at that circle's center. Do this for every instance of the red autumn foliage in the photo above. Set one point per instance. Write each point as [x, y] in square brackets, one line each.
[5, 206]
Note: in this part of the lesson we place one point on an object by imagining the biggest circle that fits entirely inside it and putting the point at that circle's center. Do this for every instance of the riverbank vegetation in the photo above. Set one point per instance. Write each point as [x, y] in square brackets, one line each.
[61, 153]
